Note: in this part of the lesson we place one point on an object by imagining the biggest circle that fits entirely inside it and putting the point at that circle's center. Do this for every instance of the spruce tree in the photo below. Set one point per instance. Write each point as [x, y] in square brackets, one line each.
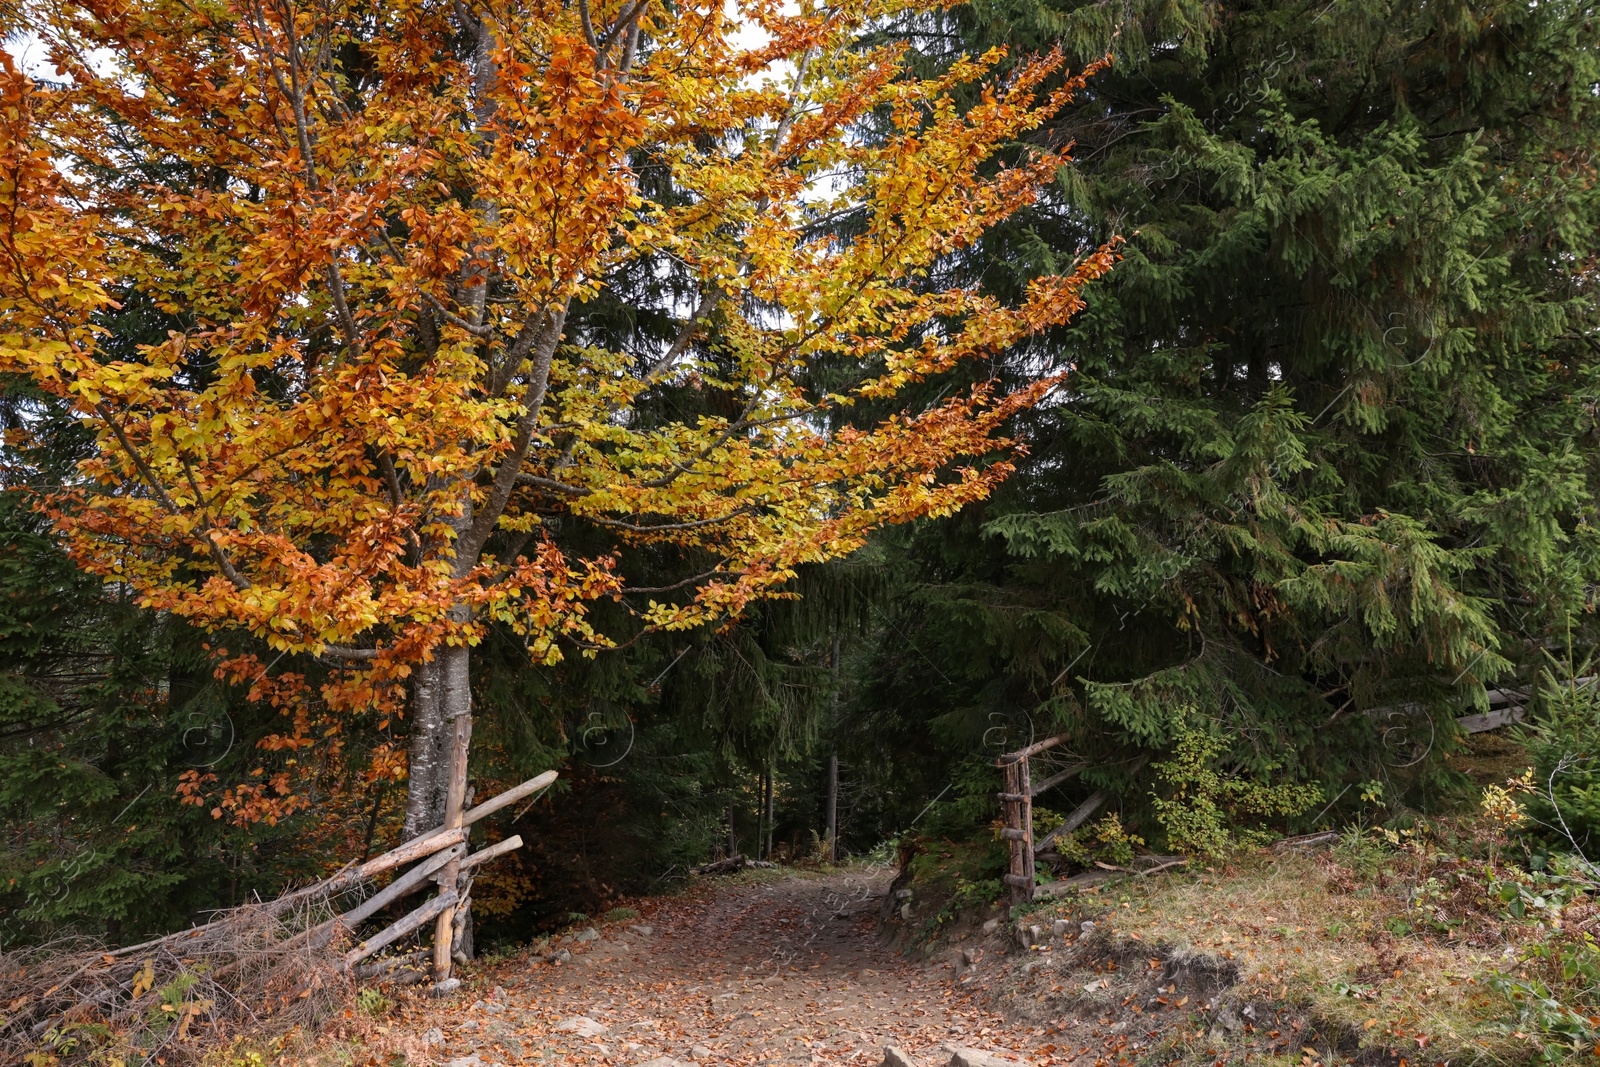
[1327, 468]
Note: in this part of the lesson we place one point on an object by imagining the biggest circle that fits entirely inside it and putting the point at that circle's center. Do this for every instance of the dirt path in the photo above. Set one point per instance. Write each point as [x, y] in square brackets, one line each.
[786, 972]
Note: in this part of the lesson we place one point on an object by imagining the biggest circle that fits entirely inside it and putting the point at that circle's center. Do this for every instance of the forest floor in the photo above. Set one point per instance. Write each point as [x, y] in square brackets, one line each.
[776, 968]
[1298, 960]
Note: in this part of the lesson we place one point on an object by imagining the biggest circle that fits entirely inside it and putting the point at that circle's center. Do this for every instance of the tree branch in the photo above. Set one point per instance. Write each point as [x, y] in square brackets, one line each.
[719, 573]
[219, 557]
[505, 479]
[694, 524]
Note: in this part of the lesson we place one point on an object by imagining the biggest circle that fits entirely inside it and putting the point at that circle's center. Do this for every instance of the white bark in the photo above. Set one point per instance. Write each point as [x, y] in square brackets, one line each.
[424, 791]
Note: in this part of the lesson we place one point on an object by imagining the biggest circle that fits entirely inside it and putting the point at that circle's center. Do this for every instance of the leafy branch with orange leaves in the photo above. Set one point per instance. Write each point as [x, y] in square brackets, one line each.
[386, 412]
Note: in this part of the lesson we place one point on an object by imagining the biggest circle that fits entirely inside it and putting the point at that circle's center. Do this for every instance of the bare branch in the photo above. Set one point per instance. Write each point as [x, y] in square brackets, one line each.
[505, 479]
[695, 580]
[694, 524]
[552, 484]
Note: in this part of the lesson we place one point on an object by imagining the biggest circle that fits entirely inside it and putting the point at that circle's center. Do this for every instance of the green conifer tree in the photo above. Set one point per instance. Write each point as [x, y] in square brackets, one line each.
[1331, 445]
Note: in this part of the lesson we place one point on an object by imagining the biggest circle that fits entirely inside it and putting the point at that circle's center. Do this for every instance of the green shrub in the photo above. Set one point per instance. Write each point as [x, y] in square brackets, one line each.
[1563, 739]
[1211, 812]
[1105, 841]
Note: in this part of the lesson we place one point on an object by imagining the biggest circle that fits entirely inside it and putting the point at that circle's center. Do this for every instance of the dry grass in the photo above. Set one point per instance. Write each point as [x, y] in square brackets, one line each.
[174, 1000]
[1392, 942]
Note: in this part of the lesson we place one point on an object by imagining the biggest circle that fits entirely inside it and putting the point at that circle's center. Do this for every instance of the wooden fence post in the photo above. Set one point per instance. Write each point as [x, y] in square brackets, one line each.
[1018, 830]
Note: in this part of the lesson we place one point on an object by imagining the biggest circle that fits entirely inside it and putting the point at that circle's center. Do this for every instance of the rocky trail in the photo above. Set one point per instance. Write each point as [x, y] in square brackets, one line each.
[786, 971]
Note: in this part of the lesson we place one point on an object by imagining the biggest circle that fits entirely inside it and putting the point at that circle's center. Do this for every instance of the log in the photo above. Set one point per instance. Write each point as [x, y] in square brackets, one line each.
[386, 967]
[414, 849]
[412, 922]
[495, 803]
[1082, 812]
[1056, 779]
[1162, 867]
[732, 863]
[1491, 720]
[1032, 750]
[399, 856]
[510, 844]
[509, 797]
[1322, 837]
[406, 884]
[1079, 816]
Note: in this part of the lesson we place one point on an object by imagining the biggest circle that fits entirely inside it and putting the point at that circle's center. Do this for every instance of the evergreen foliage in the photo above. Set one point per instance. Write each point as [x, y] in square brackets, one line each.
[1327, 468]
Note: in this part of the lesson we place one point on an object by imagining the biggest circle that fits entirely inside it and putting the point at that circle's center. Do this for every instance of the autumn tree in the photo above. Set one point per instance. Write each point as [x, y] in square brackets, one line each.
[392, 408]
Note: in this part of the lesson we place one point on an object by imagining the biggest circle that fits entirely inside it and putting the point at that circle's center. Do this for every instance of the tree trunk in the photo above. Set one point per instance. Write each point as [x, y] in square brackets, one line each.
[772, 790]
[833, 807]
[424, 789]
[833, 763]
[456, 703]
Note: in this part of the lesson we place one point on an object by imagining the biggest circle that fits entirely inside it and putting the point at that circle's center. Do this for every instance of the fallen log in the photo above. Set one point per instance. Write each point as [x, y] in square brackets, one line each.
[730, 865]
[1307, 841]
[407, 883]
[385, 967]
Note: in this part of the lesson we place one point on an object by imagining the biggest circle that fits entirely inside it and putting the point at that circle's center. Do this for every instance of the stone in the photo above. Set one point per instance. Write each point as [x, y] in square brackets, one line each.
[902, 894]
[991, 926]
[433, 1037]
[972, 1057]
[896, 1057]
[473, 1060]
[643, 930]
[700, 1052]
[969, 956]
[589, 934]
[583, 1026]
[561, 957]
[445, 988]
[661, 1061]
[1061, 927]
